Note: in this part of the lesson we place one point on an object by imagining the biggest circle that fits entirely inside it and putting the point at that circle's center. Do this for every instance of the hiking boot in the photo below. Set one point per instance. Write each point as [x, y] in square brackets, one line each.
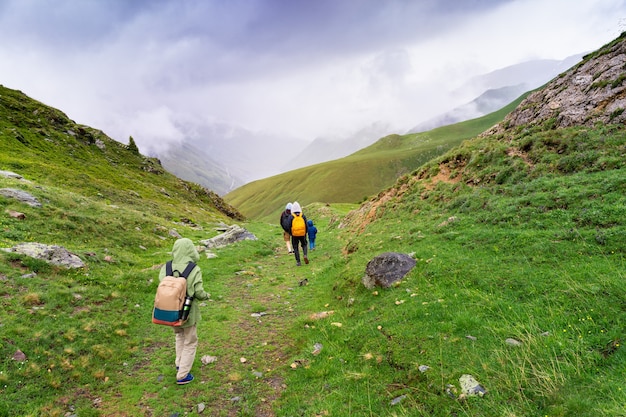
[306, 260]
[298, 263]
[185, 380]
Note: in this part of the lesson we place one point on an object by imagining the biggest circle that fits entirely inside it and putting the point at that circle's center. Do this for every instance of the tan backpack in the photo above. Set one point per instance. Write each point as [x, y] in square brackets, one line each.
[170, 297]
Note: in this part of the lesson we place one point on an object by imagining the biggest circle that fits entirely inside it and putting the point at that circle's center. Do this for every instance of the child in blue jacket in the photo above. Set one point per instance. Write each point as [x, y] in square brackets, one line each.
[312, 232]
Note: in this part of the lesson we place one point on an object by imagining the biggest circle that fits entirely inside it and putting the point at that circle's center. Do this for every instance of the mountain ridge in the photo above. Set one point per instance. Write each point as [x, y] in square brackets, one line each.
[355, 178]
[592, 93]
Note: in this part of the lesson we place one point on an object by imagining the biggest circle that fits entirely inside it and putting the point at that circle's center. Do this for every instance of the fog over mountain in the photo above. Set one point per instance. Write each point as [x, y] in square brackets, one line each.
[499, 88]
[229, 155]
[242, 156]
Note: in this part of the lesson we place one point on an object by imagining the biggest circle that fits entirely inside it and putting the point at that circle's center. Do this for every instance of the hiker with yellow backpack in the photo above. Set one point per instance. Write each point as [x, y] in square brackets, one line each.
[298, 232]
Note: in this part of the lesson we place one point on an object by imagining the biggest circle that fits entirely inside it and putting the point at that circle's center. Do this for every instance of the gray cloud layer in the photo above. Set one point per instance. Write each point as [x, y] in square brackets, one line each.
[158, 69]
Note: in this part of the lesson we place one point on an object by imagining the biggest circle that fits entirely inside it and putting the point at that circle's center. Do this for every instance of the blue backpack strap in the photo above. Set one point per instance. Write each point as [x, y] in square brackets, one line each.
[168, 269]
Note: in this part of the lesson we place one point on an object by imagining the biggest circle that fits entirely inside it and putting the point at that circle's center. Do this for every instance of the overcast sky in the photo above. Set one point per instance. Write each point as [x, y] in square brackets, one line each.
[301, 68]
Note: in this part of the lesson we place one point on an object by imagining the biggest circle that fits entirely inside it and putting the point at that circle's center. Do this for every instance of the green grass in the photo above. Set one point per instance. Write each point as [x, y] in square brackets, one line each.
[519, 236]
[557, 291]
[549, 283]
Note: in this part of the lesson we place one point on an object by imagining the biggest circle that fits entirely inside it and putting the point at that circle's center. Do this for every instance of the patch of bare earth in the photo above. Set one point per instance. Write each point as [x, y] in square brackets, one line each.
[360, 218]
[444, 175]
[514, 152]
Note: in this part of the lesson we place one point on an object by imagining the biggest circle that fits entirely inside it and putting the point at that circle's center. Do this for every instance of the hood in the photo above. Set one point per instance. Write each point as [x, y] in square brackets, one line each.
[309, 222]
[184, 251]
[295, 208]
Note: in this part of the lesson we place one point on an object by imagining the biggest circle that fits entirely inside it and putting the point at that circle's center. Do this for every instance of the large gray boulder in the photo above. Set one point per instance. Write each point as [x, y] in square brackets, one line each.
[233, 234]
[387, 268]
[55, 255]
[21, 196]
[11, 174]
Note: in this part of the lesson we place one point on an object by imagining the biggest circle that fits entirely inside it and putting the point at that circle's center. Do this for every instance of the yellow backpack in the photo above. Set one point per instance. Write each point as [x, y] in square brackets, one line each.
[298, 227]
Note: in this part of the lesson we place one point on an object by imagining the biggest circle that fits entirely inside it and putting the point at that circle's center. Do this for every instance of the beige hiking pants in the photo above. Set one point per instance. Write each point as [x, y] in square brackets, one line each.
[186, 345]
[287, 238]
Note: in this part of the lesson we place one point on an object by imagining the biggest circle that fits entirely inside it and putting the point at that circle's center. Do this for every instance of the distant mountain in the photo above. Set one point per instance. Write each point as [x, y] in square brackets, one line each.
[357, 176]
[499, 88]
[223, 157]
[486, 103]
[533, 74]
[328, 148]
[193, 164]
[495, 90]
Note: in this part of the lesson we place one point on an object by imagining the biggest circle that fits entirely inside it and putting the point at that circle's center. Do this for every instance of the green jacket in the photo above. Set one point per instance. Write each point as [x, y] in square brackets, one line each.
[183, 252]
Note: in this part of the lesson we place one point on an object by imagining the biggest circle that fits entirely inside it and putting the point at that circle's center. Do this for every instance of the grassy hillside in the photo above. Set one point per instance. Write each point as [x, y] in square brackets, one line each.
[358, 176]
[520, 249]
[516, 238]
[44, 145]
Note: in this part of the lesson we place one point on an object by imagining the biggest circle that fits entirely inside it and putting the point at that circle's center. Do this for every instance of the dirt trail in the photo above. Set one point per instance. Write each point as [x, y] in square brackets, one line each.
[259, 337]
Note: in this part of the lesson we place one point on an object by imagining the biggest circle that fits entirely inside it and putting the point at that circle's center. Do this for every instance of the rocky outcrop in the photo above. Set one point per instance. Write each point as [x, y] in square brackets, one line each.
[21, 196]
[10, 174]
[233, 234]
[592, 92]
[52, 254]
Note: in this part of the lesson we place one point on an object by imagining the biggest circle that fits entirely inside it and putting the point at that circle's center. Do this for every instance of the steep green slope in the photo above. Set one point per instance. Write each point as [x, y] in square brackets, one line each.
[521, 250]
[44, 145]
[358, 176]
[119, 212]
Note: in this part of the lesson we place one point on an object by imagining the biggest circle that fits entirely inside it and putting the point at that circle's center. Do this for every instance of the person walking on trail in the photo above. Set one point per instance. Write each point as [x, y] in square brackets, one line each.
[285, 219]
[186, 336]
[311, 231]
[298, 232]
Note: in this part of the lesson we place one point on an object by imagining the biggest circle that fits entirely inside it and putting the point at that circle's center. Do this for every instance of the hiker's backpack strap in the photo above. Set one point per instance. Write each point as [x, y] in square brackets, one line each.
[168, 269]
[188, 269]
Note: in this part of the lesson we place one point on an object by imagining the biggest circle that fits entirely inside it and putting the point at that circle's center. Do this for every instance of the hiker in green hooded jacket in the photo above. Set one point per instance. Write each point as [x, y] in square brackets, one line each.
[183, 252]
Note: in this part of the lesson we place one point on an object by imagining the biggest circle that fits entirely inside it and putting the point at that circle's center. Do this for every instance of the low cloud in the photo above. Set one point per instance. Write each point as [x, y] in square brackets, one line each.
[154, 69]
